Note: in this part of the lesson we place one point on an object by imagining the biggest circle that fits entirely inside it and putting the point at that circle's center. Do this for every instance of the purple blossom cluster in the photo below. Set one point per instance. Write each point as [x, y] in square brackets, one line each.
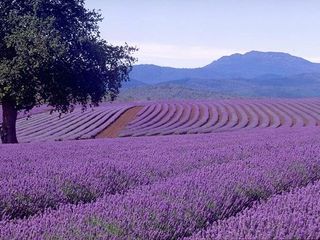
[181, 117]
[166, 187]
[294, 215]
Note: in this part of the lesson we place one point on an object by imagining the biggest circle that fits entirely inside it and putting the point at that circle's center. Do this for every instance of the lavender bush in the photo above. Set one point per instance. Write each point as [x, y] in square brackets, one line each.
[38, 176]
[294, 215]
[267, 162]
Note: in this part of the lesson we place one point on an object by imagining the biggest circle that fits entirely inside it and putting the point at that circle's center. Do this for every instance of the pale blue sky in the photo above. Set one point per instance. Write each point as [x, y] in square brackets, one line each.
[192, 33]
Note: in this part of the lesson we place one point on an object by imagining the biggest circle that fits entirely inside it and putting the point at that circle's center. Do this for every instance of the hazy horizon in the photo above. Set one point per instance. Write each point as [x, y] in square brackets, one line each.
[228, 55]
[188, 34]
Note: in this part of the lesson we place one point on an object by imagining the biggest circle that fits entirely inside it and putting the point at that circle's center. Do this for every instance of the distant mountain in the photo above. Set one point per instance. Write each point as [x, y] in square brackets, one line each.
[254, 74]
[296, 86]
[153, 74]
[250, 65]
[255, 64]
[169, 92]
[133, 84]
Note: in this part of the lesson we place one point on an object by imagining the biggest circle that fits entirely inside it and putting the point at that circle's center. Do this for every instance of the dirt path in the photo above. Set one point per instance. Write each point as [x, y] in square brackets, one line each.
[115, 128]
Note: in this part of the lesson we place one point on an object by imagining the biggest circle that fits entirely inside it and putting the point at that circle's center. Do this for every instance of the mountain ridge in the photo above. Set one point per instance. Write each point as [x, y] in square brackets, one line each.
[253, 74]
[249, 65]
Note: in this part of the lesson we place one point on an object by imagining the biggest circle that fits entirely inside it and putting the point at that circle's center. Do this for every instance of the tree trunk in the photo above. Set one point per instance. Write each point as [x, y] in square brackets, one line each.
[8, 129]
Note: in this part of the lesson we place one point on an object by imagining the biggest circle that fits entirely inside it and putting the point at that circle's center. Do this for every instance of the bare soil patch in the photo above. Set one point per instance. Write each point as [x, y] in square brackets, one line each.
[115, 128]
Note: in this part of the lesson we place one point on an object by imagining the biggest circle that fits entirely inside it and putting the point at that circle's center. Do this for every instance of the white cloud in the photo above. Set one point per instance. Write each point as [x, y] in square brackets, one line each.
[313, 59]
[177, 55]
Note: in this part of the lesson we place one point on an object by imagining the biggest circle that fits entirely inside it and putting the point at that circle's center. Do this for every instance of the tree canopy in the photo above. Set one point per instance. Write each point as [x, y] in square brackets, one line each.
[51, 53]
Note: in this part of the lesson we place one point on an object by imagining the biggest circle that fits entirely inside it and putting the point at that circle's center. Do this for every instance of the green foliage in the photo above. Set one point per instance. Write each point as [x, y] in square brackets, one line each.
[77, 193]
[51, 52]
[109, 228]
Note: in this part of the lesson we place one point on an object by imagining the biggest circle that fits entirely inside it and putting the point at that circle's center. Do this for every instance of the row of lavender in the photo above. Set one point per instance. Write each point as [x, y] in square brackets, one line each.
[208, 182]
[165, 118]
[26, 115]
[35, 177]
[295, 215]
[76, 125]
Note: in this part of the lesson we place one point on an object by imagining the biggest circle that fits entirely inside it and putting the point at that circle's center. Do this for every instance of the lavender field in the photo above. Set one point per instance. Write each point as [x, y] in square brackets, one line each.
[253, 184]
[167, 118]
[182, 117]
[159, 120]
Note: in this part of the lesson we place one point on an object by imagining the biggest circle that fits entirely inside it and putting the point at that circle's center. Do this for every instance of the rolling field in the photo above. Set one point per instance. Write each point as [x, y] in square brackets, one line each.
[166, 118]
[228, 169]
[76, 125]
[217, 116]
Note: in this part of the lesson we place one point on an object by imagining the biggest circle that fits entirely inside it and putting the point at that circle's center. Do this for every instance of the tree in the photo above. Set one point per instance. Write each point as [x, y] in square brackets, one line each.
[51, 53]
